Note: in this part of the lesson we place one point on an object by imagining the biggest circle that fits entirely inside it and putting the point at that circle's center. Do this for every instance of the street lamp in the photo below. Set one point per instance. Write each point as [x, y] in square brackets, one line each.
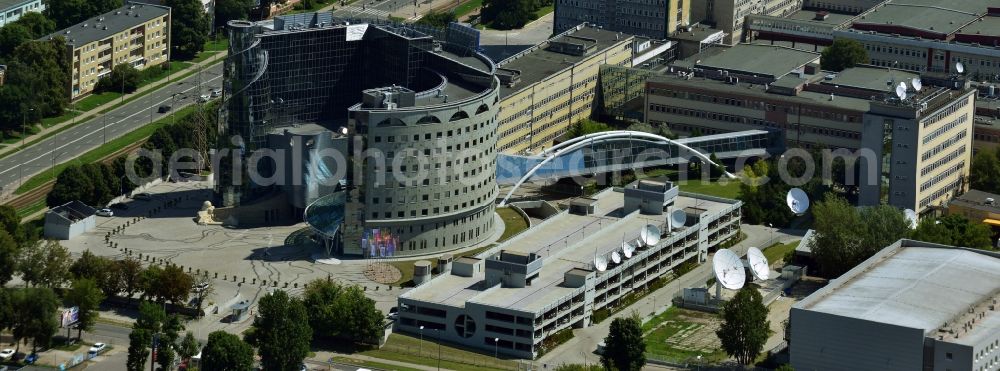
[496, 348]
[420, 345]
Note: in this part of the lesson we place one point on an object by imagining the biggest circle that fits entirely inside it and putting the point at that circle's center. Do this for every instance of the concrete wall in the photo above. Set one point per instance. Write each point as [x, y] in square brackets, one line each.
[60, 229]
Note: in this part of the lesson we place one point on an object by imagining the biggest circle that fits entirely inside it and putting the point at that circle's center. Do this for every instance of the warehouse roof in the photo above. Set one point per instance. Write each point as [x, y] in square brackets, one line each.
[976, 199]
[941, 16]
[108, 24]
[765, 60]
[915, 284]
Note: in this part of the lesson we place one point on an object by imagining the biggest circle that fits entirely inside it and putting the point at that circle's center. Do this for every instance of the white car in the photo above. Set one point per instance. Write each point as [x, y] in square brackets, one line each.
[96, 349]
[204, 98]
[216, 93]
[105, 212]
[6, 354]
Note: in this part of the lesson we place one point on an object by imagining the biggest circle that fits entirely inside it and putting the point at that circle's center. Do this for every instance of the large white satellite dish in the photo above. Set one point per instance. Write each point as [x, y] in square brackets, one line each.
[615, 257]
[627, 250]
[650, 235]
[797, 200]
[758, 264]
[678, 218]
[959, 67]
[600, 263]
[901, 91]
[912, 217]
[728, 269]
[917, 84]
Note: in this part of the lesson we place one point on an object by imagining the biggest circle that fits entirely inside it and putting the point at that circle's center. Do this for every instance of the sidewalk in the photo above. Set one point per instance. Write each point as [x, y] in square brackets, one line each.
[84, 116]
[323, 357]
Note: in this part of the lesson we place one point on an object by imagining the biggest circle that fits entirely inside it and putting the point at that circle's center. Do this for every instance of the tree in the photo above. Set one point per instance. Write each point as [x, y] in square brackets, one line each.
[189, 346]
[6, 309]
[72, 184]
[281, 332]
[9, 221]
[846, 236]
[226, 352]
[45, 264]
[342, 312]
[8, 257]
[150, 321]
[123, 78]
[35, 311]
[70, 12]
[954, 230]
[149, 283]
[174, 284]
[47, 64]
[228, 10]
[588, 126]
[189, 29]
[985, 171]
[37, 24]
[745, 327]
[508, 14]
[12, 36]
[90, 266]
[129, 271]
[437, 19]
[843, 54]
[85, 295]
[167, 350]
[624, 348]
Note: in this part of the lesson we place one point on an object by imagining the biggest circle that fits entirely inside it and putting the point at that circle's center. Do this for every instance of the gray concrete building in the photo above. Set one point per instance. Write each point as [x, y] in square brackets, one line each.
[69, 220]
[512, 297]
[729, 15]
[655, 19]
[912, 306]
[12, 10]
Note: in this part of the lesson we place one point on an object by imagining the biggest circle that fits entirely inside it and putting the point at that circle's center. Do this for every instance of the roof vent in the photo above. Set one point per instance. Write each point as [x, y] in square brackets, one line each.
[990, 201]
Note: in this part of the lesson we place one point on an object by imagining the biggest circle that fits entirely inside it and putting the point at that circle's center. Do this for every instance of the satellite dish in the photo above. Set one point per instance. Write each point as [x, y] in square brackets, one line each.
[627, 250]
[650, 235]
[797, 200]
[917, 84]
[600, 263]
[615, 257]
[758, 264]
[959, 67]
[728, 269]
[343, 130]
[912, 217]
[901, 91]
[678, 218]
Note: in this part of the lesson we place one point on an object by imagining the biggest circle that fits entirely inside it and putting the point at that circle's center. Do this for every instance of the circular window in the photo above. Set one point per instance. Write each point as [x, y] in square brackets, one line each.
[465, 326]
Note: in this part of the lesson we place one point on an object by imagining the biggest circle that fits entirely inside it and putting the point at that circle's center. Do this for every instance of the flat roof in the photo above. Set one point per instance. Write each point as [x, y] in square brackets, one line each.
[4, 4]
[566, 242]
[758, 59]
[983, 26]
[941, 16]
[757, 90]
[698, 33]
[914, 284]
[538, 63]
[108, 24]
[810, 15]
[870, 78]
[976, 199]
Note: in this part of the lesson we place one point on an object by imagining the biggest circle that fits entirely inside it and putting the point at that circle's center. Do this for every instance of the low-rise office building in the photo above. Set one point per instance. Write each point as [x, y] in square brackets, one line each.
[912, 306]
[510, 298]
[12, 10]
[136, 34]
[654, 19]
[547, 88]
[977, 206]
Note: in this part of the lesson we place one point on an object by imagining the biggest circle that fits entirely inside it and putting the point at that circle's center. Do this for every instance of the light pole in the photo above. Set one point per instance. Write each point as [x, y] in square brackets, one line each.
[420, 345]
[496, 348]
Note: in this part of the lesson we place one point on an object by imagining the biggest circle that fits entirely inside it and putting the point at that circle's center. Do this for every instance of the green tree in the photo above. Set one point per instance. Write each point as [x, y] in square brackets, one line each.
[70, 12]
[342, 312]
[12, 36]
[149, 283]
[10, 222]
[228, 10]
[175, 285]
[579, 367]
[89, 266]
[226, 352]
[37, 24]
[189, 346]
[6, 309]
[85, 295]
[130, 276]
[745, 327]
[46, 83]
[508, 14]
[985, 171]
[954, 230]
[785, 367]
[35, 311]
[846, 236]
[167, 350]
[72, 184]
[9, 253]
[624, 347]
[139, 341]
[123, 78]
[46, 264]
[281, 332]
[843, 54]
[588, 126]
[437, 19]
[189, 29]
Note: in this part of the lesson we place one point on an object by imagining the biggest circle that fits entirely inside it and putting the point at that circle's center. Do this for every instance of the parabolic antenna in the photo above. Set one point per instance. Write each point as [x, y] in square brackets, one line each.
[797, 200]
[728, 269]
[758, 264]
[638, 242]
[650, 234]
[678, 218]
[600, 263]
[917, 84]
[901, 91]
[912, 217]
[627, 250]
[615, 257]
[959, 67]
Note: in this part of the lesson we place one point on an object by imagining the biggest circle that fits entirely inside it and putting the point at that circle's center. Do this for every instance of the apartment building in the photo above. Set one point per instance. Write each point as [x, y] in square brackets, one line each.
[512, 297]
[729, 15]
[547, 88]
[12, 10]
[136, 34]
[654, 19]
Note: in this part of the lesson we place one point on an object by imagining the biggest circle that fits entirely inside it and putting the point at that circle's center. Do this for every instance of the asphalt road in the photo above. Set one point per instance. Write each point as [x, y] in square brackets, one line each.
[88, 135]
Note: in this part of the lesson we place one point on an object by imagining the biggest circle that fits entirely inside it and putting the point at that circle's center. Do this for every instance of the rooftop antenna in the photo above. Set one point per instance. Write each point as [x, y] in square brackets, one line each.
[615, 257]
[911, 216]
[917, 84]
[758, 264]
[797, 200]
[901, 91]
[728, 271]
[677, 219]
[627, 250]
[600, 262]
[649, 235]
[959, 67]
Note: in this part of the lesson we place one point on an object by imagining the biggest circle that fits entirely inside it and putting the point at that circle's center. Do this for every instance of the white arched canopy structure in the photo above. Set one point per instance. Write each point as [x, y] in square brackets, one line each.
[580, 142]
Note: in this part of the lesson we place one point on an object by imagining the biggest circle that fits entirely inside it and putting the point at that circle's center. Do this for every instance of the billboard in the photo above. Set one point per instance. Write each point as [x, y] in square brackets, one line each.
[379, 243]
[69, 317]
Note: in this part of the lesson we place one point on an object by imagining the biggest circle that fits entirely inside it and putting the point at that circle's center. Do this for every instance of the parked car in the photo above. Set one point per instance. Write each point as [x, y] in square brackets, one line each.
[96, 349]
[119, 206]
[31, 358]
[105, 212]
[204, 98]
[163, 109]
[200, 287]
[142, 196]
[6, 354]
[216, 93]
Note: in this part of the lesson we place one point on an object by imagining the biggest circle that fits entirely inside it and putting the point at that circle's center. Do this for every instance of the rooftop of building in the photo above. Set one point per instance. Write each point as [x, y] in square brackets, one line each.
[989, 25]
[870, 78]
[4, 4]
[541, 61]
[108, 24]
[72, 211]
[977, 199]
[566, 242]
[940, 16]
[697, 33]
[759, 90]
[829, 18]
[753, 59]
[917, 285]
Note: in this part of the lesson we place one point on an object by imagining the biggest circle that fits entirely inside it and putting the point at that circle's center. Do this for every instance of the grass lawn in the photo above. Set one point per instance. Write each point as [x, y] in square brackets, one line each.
[219, 44]
[406, 348]
[103, 151]
[777, 251]
[513, 222]
[729, 190]
[50, 121]
[676, 324]
[371, 364]
[467, 7]
[95, 100]
[31, 209]
[541, 12]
